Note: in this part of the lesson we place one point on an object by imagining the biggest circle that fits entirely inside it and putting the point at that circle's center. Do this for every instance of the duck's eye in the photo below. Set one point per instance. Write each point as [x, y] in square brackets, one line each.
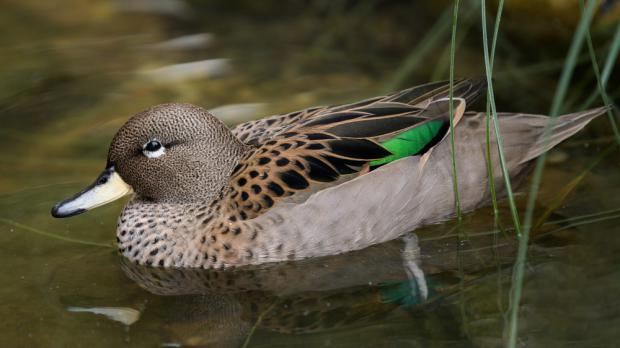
[153, 149]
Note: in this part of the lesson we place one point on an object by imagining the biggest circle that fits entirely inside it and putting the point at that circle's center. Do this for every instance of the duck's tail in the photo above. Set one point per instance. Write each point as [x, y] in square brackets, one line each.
[528, 136]
[561, 128]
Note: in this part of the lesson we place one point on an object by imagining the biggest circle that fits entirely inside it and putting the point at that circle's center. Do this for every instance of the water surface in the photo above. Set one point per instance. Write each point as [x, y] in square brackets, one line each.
[74, 71]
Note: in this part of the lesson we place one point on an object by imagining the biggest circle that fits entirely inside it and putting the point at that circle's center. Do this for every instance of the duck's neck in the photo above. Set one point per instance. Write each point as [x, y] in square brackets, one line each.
[214, 172]
[164, 234]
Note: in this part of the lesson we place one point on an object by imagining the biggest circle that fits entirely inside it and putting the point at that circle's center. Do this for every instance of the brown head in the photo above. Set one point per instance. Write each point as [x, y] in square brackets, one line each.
[168, 153]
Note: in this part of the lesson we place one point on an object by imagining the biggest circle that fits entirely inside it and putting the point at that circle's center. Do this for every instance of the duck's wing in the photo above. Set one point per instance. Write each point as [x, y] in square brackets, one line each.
[327, 148]
[400, 197]
[261, 131]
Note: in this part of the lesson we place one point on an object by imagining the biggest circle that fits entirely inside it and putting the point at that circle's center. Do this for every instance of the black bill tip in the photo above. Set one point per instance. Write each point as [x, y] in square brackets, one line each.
[58, 212]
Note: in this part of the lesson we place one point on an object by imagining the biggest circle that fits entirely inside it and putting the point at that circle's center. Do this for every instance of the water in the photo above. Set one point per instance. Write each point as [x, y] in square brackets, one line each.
[73, 72]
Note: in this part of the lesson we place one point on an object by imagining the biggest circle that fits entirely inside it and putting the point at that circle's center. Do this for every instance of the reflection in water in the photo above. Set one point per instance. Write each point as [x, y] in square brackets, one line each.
[176, 8]
[300, 297]
[237, 113]
[123, 315]
[209, 68]
[340, 293]
[411, 259]
[184, 43]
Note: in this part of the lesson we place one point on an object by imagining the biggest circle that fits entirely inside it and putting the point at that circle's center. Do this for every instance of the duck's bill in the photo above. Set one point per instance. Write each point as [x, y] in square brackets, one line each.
[108, 187]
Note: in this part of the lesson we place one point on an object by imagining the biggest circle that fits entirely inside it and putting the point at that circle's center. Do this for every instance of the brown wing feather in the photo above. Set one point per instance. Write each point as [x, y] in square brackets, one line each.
[320, 151]
[326, 143]
[292, 163]
[260, 131]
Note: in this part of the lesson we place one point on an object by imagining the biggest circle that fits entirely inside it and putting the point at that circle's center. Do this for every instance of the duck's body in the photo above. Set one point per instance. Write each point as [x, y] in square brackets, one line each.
[317, 182]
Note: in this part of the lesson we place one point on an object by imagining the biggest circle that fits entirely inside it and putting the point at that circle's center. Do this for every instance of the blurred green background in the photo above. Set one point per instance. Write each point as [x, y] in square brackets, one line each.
[73, 71]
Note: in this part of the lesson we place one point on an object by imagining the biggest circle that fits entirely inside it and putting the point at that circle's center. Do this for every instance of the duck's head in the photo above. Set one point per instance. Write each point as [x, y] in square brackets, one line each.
[168, 153]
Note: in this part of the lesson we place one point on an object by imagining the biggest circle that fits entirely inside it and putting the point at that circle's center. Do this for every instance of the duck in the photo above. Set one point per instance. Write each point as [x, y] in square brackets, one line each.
[315, 182]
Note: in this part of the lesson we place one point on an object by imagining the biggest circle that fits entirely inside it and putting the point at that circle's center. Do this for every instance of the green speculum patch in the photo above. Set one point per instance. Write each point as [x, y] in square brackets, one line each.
[412, 142]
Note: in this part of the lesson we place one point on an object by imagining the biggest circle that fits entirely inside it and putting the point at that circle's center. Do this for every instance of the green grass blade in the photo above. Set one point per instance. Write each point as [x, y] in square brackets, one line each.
[563, 193]
[490, 173]
[599, 81]
[53, 236]
[468, 19]
[500, 142]
[457, 198]
[519, 268]
[514, 302]
[614, 49]
[571, 58]
[610, 63]
[259, 320]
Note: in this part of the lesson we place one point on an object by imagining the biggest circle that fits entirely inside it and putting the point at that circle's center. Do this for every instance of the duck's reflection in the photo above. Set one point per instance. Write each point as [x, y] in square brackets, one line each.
[390, 287]
[298, 297]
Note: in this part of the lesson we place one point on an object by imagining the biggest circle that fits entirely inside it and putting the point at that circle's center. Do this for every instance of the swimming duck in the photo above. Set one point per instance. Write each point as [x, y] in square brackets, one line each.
[316, 182]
